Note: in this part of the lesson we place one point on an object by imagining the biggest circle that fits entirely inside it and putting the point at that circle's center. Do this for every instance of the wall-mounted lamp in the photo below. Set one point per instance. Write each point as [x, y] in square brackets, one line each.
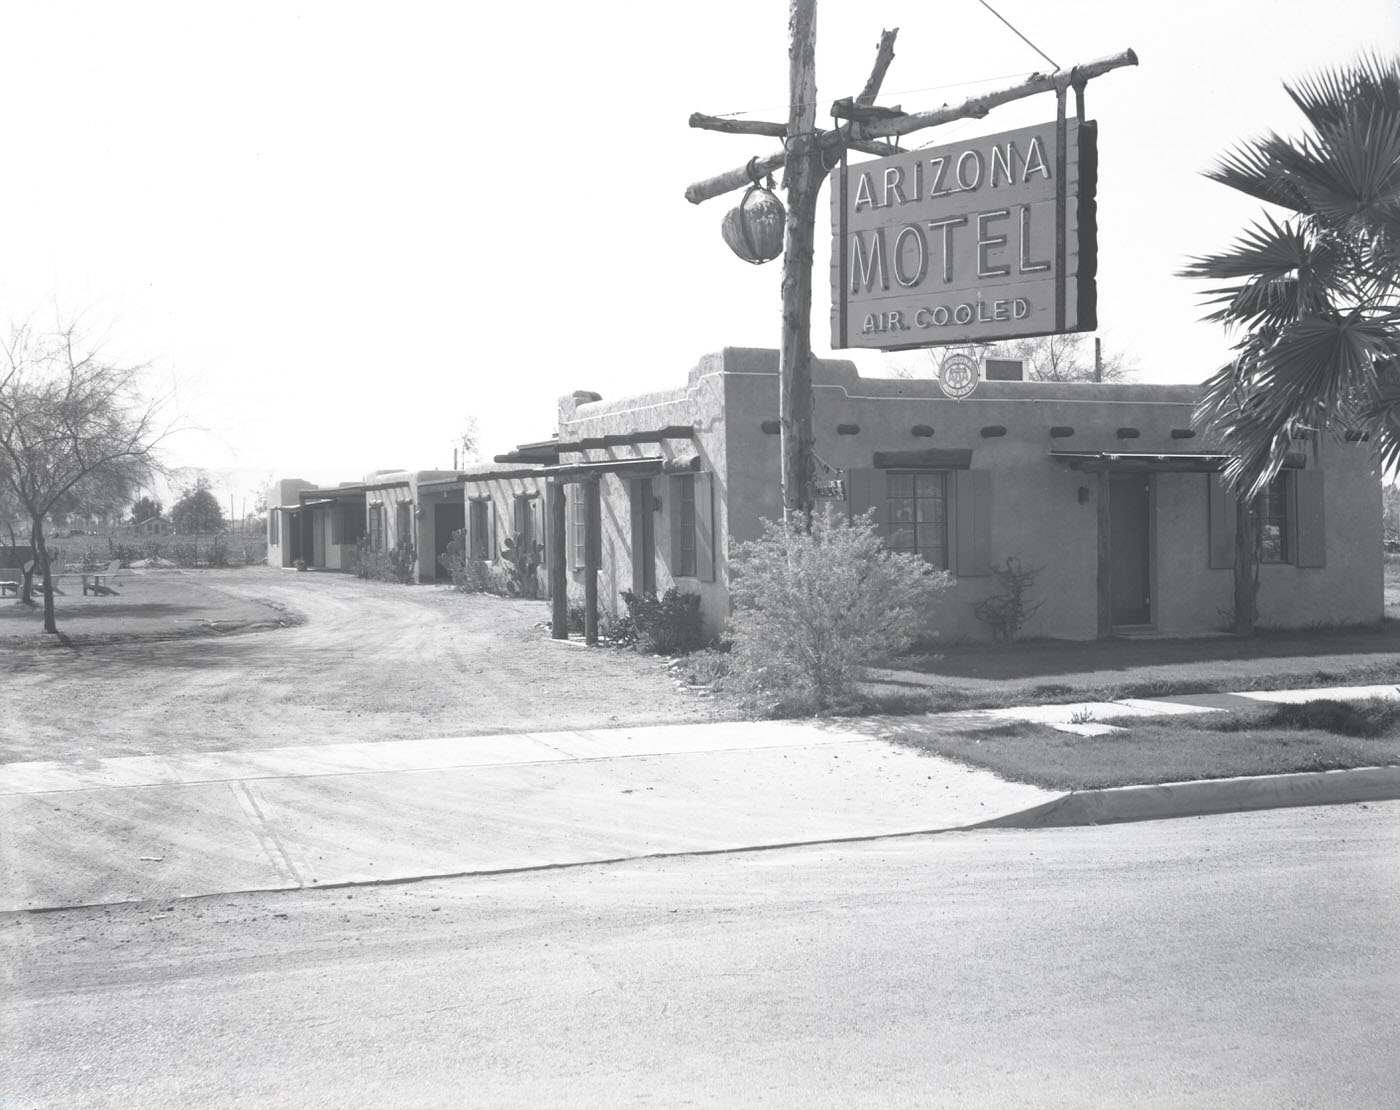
[1083, 495]
[656, 504]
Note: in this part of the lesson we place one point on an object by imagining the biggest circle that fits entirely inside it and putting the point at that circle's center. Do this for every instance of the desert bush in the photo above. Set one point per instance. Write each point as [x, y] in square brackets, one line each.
[707, 666]
[812, 607]
[577, 607]
[471, 576]
[661, 625]
[1007, 611]
[392, 565]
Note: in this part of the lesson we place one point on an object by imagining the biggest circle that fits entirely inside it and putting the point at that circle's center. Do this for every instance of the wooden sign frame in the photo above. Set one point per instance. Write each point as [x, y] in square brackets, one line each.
[987, 239]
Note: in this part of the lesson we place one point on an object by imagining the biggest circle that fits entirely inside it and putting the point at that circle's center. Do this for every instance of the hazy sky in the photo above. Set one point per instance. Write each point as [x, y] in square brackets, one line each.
[344, 227]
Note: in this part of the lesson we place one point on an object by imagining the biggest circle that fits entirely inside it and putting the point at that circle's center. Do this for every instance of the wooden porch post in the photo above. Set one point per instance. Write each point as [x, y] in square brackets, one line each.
[592, 548]
[1105, 575]
[558, 569]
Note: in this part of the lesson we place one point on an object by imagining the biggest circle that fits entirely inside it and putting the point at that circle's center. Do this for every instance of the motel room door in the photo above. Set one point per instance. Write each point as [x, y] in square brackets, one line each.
[643, 537]
[447, 518]
[1129, 536]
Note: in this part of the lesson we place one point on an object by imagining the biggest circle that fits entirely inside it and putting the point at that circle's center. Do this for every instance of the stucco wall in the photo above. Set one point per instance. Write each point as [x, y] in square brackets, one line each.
[1350, 588]
[499, 494]
[698, 404]
[1036, 512]
[1041, 510]
[283, 492]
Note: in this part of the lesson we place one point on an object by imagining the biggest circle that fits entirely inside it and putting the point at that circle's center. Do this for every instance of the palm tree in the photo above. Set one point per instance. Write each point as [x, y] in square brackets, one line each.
[1316, 293]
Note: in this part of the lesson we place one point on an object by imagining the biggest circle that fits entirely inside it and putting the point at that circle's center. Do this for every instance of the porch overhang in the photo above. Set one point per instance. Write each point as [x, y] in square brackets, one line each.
[1121, 462]
[643, 467]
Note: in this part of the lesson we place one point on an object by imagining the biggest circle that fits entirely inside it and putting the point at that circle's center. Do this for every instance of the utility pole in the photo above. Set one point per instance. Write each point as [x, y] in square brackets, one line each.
[804, 160]
[803, 179]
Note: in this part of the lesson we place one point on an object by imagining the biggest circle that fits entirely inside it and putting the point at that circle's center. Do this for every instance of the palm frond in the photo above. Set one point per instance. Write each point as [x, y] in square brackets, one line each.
[1253, 169]
[1270, 249]
[1288, 273]
[1320, 372]
[1370, 81]
[1349, 171]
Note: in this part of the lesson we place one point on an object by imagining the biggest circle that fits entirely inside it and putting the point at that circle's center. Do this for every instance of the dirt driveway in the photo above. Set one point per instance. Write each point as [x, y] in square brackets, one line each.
[373, 661]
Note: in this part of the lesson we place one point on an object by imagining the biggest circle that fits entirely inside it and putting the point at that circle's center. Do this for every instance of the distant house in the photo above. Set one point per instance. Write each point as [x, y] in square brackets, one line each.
[153, 526]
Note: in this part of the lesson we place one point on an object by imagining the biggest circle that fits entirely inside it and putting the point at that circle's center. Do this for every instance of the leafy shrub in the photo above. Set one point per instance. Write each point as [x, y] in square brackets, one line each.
[1007, 612]
[577, 607]
[812, 607]
[661, 625]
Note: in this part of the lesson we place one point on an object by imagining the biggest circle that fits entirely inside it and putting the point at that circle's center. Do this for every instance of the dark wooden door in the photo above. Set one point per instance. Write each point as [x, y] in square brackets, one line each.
[643, 538]
[1129, 539]
[447, 518]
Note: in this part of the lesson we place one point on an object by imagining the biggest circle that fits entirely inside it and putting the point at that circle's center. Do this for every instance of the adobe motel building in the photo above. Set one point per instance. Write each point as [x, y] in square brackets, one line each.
[1065, 476]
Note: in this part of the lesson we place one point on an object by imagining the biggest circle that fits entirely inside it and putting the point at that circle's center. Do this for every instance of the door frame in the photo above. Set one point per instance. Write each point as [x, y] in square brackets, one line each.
[1149, 568]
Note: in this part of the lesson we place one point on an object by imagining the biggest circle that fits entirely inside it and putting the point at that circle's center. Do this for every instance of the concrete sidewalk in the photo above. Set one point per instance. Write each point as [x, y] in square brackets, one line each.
[147, 827]
[154, 828]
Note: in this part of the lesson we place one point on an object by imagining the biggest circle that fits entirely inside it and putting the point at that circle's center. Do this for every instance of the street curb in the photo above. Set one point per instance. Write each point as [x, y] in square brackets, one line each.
[1196, 799]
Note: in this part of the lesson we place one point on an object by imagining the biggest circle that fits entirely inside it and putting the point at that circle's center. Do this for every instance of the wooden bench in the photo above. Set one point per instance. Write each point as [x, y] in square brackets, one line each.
[11, 579]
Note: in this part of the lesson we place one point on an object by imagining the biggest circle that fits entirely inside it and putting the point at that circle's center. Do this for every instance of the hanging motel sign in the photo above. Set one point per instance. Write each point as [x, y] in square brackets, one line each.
[987, 239]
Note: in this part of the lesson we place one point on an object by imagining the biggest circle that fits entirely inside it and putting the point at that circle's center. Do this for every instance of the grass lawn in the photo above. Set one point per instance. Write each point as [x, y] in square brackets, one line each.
[142, 606]
[1268, 740]
[1039, 672]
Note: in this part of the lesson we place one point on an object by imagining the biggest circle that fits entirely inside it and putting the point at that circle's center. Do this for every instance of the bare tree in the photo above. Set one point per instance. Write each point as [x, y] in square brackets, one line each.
[77, 432]
[1046, 358]
[468, 442]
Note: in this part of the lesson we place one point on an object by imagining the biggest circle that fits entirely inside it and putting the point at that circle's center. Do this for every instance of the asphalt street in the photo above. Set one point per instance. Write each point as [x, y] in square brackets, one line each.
[1246, 960]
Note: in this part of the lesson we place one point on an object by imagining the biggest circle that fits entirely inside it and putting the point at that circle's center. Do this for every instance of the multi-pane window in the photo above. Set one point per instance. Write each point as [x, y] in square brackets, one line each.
[480, 530]
[1270, 512]
[580, 524]
[685, 528]
[918, 514]
[376, 527]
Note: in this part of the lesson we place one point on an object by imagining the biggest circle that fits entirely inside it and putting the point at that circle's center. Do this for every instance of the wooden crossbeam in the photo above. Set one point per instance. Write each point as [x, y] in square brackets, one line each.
[865, 136]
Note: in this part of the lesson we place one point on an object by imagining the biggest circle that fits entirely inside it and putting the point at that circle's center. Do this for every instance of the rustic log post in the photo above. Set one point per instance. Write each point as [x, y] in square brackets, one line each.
[803, 179]
[592, 548]
[1105, 571]
[558, 567]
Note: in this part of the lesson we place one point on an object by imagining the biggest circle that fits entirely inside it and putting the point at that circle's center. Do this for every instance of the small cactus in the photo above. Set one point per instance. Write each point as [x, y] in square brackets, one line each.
[524, 560]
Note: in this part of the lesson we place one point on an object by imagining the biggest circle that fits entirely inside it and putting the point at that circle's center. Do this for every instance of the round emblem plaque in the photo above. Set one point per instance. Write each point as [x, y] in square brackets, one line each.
[958, 377]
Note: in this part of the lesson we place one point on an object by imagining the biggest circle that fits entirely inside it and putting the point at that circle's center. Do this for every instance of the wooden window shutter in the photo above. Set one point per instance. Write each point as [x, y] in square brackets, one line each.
[639, 509]
[1311, 537]
[495, 532]
[537, 517]
[705, 527]
[1222, 523]
[867, 489]
[973, 522]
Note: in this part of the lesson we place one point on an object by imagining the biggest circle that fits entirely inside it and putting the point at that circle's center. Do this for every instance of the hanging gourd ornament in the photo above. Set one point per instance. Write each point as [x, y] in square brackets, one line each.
[754, 227]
